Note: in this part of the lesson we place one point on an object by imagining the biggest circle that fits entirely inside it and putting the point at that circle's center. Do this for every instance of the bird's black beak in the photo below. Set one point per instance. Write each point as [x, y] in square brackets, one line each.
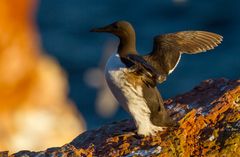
[101, 29]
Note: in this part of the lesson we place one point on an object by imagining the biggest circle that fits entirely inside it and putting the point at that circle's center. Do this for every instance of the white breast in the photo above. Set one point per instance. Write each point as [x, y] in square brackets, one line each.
[129, 96]
[115, 73]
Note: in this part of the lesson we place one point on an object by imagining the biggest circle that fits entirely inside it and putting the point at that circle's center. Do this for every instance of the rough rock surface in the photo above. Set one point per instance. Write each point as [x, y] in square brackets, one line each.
[209, 118]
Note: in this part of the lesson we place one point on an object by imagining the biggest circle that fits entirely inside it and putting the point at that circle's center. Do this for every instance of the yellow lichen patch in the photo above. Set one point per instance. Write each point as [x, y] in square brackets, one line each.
[236, 99]
[231, 146]
[189, 115]
[124, 148]
[84, 152]
[233, 116]
[189, 127]
[113, 139]
[218, 110]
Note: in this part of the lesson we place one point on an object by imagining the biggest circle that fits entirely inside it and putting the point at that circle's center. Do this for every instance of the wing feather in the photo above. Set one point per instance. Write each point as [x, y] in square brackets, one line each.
[140, 67]
[168, 48]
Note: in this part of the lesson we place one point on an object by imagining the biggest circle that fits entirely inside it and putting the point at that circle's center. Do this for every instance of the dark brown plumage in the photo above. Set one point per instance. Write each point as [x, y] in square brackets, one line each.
[148, 70]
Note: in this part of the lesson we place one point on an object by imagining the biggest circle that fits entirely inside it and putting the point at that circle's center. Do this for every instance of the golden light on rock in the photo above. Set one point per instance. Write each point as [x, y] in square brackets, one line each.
[35, 112]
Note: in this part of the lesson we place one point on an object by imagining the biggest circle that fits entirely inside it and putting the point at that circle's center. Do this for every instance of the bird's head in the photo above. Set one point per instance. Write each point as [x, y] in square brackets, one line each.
[122, 29]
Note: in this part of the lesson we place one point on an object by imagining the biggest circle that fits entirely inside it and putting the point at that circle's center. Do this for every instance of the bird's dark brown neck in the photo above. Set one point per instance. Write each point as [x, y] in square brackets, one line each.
[127, 45]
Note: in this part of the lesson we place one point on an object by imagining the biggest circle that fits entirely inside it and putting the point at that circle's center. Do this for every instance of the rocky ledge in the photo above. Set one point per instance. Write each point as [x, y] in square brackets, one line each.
[209, 118]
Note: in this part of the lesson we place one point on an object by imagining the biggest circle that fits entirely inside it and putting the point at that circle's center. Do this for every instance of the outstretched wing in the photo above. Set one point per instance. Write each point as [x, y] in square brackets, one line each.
[167, 49]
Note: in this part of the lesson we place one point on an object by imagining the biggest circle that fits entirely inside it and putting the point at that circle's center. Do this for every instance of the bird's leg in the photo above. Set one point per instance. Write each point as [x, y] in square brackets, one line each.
[141, 116]
[161, 117]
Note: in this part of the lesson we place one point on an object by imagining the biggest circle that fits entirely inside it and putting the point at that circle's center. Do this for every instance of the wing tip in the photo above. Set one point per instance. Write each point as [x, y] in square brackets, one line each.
[203, 40]
[216, 38]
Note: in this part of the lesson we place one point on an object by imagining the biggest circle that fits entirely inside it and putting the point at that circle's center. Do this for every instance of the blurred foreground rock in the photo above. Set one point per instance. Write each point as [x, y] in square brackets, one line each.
[35, 112]
[209, 118]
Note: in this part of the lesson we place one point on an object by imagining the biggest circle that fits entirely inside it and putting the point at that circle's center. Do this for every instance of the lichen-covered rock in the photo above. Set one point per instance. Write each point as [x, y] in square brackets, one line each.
[209, 118]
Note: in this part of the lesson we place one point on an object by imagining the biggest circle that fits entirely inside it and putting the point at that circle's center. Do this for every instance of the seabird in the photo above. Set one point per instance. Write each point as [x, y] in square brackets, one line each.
[133, 78]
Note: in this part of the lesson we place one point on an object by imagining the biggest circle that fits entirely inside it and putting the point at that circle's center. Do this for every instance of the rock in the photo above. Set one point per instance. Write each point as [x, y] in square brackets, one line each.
[209, 118]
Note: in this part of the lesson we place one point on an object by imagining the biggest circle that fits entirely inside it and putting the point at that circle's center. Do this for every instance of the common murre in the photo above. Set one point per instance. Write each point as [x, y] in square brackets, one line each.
[132, 78]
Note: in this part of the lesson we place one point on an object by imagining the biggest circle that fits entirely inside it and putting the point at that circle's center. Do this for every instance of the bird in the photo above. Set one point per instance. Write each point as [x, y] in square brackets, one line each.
[133, 78]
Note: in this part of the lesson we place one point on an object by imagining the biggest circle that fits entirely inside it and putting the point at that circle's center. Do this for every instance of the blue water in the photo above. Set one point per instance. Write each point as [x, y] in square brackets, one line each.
[64, 28]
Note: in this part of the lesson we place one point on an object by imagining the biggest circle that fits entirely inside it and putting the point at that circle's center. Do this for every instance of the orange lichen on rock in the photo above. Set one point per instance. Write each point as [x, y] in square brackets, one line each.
[35, 112]
[209, 125]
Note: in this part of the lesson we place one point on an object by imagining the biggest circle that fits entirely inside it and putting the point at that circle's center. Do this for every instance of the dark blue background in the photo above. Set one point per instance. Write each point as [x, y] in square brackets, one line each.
[64, 27]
